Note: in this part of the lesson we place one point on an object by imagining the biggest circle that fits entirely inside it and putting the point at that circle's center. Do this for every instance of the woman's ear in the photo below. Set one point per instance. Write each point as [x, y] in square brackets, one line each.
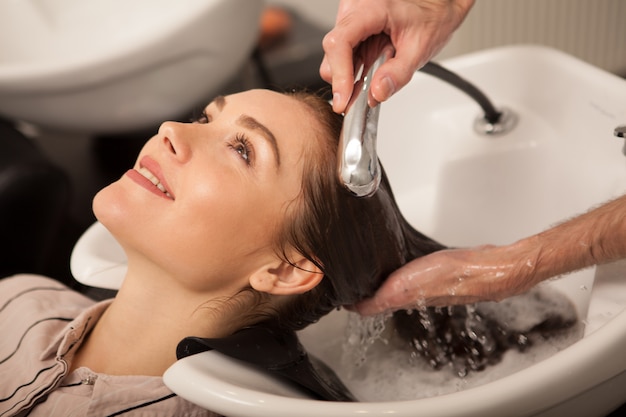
[283, 278]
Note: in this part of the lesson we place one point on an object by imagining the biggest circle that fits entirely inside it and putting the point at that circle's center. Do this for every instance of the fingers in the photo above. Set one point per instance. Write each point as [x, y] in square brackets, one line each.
[340, 74]
[337, 68]
[370, 307]
[390, 77]
[402, 289]
[418, 29]
[414, 47]
[448, 277]
[382, 86]
[325, 71]
[353, 27]
[340, 61]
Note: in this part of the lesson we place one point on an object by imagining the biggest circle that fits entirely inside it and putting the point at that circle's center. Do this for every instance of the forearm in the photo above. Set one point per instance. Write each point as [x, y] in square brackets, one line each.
[596, 237]
[492, 273]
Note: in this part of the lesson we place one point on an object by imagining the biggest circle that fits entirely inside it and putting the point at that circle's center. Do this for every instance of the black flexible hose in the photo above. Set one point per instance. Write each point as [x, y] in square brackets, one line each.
[491, 114]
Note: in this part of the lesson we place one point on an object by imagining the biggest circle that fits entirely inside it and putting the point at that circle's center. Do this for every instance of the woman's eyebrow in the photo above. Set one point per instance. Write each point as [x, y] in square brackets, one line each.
[220, 102]
[253, 124]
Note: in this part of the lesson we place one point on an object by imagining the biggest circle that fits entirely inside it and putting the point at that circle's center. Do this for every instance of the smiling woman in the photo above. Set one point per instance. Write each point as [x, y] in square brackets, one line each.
[232, 221]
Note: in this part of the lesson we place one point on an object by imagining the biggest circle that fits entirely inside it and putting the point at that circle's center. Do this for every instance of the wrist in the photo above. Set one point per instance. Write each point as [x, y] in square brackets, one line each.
[535, 259]
[524, 266]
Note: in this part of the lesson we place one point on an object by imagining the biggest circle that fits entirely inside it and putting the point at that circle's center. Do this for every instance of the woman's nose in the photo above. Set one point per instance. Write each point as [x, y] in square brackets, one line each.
[175, 137]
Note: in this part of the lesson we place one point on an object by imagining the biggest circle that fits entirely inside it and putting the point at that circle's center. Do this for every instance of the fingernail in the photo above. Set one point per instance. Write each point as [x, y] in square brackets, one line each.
[386, 90]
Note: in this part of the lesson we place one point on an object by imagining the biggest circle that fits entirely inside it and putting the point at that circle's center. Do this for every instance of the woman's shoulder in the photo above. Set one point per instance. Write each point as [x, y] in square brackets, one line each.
[24, 285]
[28, 282]
[126, 395]
[28, 279]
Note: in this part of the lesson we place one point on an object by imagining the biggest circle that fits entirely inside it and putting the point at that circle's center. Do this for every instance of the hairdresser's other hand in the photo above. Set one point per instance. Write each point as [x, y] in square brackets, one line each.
[455, 276]
[461, 276]
[418, 29]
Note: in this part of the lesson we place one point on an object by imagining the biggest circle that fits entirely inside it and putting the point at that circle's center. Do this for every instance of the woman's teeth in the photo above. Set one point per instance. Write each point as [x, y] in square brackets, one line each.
[154, 180]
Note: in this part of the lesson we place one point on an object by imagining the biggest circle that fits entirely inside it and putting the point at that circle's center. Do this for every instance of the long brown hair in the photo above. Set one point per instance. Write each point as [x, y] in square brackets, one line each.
[356, 242]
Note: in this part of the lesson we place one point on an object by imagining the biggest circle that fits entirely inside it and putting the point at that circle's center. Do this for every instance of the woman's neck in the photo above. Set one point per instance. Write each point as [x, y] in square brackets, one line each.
[139, 331]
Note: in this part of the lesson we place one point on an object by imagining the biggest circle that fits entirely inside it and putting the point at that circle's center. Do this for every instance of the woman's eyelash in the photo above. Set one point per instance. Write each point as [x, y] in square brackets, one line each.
[243, 147]
[240, 144]
[202, 118]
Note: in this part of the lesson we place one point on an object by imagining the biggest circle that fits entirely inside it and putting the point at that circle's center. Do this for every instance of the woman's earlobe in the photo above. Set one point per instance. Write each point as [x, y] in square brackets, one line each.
[283, 278]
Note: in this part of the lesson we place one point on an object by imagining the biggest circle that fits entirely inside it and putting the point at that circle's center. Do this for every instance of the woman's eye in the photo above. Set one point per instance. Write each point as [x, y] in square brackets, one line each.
[243, 152]
[203, 118]
[243, 147]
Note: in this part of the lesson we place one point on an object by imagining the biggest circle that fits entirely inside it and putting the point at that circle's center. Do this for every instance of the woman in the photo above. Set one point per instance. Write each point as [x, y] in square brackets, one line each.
[226, 222]
[215, 219]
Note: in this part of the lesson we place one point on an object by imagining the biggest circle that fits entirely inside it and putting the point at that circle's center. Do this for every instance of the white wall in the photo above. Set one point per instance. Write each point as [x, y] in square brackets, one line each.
[593, 30]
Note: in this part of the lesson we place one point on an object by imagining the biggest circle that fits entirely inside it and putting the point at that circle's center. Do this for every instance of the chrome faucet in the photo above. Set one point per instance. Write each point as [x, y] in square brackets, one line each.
[358, 166]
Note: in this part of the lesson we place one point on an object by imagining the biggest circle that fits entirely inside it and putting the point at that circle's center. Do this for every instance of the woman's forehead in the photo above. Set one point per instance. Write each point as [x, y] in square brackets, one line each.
[279, 111]
[261, 98]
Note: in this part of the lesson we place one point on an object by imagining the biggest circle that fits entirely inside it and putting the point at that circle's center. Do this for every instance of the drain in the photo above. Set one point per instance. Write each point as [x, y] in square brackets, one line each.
[505, 123]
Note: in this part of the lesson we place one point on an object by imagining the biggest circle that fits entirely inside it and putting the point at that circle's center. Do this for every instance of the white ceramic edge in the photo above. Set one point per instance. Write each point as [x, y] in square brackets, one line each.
[558, 382]
[531, 51]
[90, 267]
[189, 371]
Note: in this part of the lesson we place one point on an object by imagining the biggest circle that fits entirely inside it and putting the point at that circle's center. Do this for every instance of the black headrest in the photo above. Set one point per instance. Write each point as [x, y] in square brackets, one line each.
[277, 351]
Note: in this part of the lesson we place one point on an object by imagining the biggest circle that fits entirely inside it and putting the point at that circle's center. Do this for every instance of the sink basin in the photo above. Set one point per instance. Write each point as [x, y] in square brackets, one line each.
[108, 66]
[465, 188]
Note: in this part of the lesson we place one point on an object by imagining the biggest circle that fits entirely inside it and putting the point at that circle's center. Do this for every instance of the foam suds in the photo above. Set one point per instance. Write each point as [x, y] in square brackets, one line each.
[376, 364]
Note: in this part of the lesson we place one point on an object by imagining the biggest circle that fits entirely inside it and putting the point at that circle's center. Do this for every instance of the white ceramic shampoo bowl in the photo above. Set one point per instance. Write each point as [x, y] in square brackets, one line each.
[466, 189]
[106, 66]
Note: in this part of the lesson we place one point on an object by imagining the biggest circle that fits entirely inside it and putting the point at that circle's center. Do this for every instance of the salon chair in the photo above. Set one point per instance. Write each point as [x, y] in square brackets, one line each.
[34, 195]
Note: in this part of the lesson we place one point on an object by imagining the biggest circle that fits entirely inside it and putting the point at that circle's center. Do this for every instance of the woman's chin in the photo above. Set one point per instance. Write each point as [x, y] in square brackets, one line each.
[112, 209]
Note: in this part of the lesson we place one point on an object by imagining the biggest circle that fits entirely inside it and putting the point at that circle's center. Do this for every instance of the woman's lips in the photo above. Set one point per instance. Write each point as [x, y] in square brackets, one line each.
[150, 176]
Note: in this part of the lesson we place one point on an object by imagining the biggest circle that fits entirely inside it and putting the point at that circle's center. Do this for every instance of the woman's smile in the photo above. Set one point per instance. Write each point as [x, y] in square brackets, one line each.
[233, 176]
[150, 176]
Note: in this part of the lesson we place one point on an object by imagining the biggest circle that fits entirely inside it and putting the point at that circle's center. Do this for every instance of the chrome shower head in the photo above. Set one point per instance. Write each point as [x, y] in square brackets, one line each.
[358, 166]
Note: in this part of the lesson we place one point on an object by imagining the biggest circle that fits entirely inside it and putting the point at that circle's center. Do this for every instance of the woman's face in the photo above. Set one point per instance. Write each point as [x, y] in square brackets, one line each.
[223, 186]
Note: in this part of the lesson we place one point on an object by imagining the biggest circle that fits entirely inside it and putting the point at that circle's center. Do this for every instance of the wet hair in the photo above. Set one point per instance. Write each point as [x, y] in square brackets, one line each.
[355, 242]
[358, 242]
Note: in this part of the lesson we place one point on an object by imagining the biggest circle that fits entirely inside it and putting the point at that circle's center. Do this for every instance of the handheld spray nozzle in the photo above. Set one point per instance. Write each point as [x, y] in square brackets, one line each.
[358, 166]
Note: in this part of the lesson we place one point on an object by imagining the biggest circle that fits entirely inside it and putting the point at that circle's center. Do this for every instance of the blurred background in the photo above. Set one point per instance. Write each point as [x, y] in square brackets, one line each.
[285, 54]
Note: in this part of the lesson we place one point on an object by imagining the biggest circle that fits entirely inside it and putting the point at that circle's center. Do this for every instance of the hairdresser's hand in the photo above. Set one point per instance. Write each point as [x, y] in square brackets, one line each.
[455, 276]
[461, 276]
[417, 29]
